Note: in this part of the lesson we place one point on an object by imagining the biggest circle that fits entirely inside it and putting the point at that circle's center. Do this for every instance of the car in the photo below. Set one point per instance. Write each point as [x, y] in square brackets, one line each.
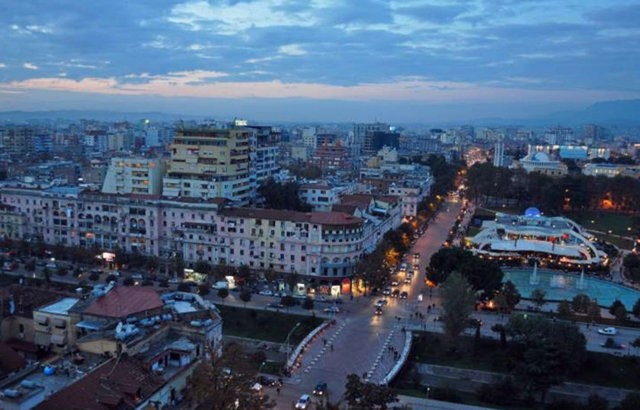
[610, 343]
[267, 381]
[378, 311]
[381, 302]
[407, 280]
[395, 293]
[608, 331]
[394, 283]
[275, 305]
[404, 295]
[320, 390]
[303, 401]
[332, 309]
[266, 292]
[386, 291]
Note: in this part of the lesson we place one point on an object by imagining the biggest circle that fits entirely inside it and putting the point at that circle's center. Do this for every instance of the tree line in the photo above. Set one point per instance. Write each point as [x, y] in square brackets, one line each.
[573, 192]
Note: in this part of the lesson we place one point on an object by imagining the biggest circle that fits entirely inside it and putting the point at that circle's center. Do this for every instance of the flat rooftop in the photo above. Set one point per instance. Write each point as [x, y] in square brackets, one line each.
[60, 307]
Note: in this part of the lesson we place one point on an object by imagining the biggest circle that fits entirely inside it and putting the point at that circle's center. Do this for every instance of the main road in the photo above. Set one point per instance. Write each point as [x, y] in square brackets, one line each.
[361, 342]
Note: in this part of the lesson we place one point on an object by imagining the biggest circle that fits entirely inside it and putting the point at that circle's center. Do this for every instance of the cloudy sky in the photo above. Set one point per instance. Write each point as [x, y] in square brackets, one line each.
[397, 60]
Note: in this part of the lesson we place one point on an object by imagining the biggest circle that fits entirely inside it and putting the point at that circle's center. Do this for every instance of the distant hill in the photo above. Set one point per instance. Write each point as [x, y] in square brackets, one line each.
[74, 115]
[622, 112]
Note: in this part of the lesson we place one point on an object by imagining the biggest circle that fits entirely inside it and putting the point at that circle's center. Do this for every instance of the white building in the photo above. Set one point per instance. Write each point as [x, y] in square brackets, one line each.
[134, 175]
[556, 238]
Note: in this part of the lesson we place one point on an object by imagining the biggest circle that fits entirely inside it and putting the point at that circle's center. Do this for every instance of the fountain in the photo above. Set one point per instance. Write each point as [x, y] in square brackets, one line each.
[581, 283]
[558, 281]
[534, 280]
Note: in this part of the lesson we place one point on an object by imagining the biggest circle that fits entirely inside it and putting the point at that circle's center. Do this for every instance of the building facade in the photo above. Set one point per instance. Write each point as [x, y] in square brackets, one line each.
[134, 176]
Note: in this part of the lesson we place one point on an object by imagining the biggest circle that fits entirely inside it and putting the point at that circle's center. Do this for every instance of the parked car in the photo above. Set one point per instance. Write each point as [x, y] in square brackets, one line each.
[303, 402]
[332, 309]
[608, 331]
[320, 390]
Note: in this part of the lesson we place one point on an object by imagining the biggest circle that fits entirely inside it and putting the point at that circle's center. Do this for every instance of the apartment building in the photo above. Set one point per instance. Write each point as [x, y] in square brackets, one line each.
[209, 163]
[135, 175]
[314, 243]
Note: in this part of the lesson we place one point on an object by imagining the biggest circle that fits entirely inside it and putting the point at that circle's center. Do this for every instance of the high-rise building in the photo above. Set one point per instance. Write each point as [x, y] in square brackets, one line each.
[360, 132]
[17, 141]
[210, 162]
[264, 152]
[498, 154]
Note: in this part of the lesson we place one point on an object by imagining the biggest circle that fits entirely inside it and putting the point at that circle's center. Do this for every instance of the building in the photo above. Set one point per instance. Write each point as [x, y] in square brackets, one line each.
[53, 327]
[541, 162]
[332, 157]
[611, 170]
[498, 154]
[209, 163]
[553, 239]
[12, 223]
[320, 196]
[264, 154]
[135, 175]
[360, 134]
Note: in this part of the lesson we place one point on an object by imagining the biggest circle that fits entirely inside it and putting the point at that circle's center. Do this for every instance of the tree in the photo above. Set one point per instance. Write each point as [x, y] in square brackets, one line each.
[204, 289]
[564, 309]
[282, 196]
[482, 274]
[223, 293]
[511, 295]
[458, 299]
[538, 297]
[499, 328]
[365, 395]
[631, 402]
[225, 383]
[288, 301]
[203, 267]
[636, 309]
[245, 296]
[307, 304]
[580, 303]
[593, 311]
[270, 275]
[544, 352]
[618, 310]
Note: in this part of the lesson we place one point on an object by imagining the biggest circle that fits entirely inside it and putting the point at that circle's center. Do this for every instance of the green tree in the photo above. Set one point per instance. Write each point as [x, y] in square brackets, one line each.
[203, 267]
[538, 298]
[307, 303]
[482, 274]
[225, 383]
[564, 309]
[544, 352]
[593, 312]
[364, 395]
[458, 299]
[580, 303]
[511, 295]
[282, 196]
[270, 275]
[223, 293]
[636, 309]
[631, 402]
[618, 310]
[245, 296]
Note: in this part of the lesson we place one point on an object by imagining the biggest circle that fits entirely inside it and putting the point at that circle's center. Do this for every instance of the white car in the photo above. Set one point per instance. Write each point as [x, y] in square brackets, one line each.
[303, 401]
[381, 302]
[608, 331]
[332, 309]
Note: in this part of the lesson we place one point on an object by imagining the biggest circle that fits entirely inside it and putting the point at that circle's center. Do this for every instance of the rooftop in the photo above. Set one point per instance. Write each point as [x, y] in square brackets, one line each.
[124, 301]
[60, 307]
[323, 218]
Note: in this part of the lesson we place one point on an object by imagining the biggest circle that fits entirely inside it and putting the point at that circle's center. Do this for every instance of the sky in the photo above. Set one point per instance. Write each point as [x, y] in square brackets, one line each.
[340, 60]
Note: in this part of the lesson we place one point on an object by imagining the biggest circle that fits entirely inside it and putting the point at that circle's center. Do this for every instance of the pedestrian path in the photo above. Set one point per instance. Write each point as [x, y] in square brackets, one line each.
[319, 349]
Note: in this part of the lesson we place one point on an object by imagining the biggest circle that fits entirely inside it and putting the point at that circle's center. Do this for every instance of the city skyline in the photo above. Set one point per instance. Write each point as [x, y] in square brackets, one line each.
[397, 61]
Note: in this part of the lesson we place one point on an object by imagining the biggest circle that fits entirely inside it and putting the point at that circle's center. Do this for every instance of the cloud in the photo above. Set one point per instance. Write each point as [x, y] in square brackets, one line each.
[30, 66]
[2, 65]
[292, 50]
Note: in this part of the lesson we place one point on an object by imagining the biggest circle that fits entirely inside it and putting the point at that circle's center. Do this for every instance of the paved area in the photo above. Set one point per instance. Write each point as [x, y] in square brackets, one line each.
[362, 342]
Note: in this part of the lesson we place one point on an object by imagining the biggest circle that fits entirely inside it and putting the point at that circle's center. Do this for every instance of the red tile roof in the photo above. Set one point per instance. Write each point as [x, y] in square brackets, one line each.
[112, 385]
[322, 218]
[10, 360]
[123, 301]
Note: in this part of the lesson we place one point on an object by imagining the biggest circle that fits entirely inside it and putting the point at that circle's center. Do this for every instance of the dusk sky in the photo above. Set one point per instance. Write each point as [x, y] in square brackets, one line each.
[342, 60]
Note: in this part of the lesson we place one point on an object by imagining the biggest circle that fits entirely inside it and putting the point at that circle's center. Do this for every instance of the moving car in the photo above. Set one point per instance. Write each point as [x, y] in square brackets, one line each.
[608, 331]
[404, 295]
[303, 401]
[386, 291]
[378, 311]
[381, 302]
[395, 293]
[394, 283]
[320, 390]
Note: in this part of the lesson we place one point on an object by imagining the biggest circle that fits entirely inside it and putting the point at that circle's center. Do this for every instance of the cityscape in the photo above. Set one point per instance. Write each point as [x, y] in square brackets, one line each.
[279, 205]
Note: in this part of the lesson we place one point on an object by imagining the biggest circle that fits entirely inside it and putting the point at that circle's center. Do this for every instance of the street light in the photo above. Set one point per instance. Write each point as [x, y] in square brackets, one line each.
[286, 341]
